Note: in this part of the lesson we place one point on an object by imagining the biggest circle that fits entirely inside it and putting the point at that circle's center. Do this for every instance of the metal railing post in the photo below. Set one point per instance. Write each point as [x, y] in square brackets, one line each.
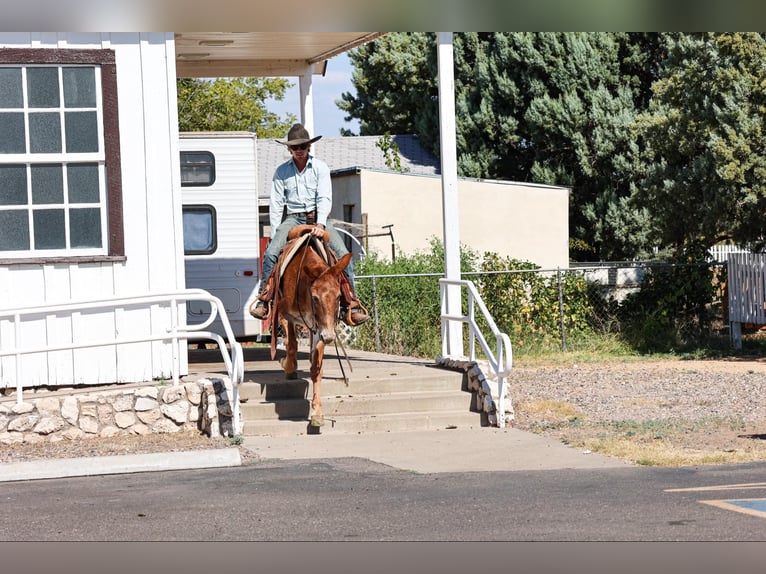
[174, 334]
[378, 345]
[561, 310]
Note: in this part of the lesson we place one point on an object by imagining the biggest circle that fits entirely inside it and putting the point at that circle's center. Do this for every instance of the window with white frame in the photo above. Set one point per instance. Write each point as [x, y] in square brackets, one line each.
[60, 194]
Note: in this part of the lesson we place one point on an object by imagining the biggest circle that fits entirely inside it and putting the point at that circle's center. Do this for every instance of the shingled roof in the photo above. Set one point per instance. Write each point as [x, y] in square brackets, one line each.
[342, 153]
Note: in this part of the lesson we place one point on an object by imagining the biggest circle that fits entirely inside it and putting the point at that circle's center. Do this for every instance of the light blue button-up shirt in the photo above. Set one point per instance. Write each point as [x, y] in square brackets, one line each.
[301, 191]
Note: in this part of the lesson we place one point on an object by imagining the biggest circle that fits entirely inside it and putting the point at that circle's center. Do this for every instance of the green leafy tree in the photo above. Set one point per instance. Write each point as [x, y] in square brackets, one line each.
[232, 104]
[706, 174]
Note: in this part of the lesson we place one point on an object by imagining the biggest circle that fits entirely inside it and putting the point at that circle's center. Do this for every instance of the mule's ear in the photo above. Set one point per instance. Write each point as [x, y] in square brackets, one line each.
[341, 264]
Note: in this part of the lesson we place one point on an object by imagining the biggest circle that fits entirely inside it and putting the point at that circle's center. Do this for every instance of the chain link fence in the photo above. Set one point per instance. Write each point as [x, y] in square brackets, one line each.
[650, 306]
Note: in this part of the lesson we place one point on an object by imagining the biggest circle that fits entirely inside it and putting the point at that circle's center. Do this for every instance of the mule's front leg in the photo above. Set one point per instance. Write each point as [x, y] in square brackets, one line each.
[316, 418]
[290, 362]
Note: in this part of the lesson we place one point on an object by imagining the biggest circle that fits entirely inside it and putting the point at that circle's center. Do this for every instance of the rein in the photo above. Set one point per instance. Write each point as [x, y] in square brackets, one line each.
[306, 247]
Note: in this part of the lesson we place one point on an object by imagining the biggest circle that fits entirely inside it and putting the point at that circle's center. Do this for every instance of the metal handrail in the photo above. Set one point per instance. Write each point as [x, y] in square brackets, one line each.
[175, 333]
[499, 361]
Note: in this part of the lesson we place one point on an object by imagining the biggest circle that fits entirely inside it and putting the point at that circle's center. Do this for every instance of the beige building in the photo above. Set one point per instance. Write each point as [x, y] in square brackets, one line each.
[521, 221]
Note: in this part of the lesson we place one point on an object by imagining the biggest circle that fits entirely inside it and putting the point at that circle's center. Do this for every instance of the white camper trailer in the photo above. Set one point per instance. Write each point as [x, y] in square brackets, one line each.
[220, 223]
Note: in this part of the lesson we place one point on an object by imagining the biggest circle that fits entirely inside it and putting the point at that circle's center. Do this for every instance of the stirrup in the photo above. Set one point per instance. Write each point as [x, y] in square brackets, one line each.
[260, 303]
[346, 312]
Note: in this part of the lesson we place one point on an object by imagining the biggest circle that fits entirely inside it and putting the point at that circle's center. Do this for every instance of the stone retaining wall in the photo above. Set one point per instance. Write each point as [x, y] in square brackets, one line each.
[205, 404]
[483, 382]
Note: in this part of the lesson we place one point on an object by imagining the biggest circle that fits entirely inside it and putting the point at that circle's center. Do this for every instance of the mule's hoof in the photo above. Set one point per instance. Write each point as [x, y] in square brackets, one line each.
[316, 421]
[291, 376]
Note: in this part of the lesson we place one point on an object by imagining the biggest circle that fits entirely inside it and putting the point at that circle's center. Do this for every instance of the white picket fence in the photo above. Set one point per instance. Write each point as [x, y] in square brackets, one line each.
[721, 253]
[747, 292]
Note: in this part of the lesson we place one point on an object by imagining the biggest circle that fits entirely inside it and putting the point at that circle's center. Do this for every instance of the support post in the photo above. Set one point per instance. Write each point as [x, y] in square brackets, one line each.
[448, 148]
[305, 81]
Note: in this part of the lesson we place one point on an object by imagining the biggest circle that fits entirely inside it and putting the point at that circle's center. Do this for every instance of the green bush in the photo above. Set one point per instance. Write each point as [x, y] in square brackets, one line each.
[408, 309]
[525, 303]
[671, 312]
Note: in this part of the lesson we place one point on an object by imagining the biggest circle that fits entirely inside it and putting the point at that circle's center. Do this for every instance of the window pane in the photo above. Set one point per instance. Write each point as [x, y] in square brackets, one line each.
[49, 229]
[81, 132]
[12, 128]
[83, 182]
[199, 230]
[197, 168]
[13, 185]
[47, 184]
[43, 87]
[79, 88]
[85, 227]
[10, 88]
[44, 133]
[14, 230]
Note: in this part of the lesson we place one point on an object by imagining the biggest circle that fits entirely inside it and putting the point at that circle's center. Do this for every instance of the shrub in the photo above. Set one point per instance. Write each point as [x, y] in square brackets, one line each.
[671, 311]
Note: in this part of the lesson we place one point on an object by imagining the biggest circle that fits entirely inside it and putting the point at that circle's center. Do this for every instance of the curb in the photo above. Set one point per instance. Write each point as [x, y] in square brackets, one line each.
[118, 464]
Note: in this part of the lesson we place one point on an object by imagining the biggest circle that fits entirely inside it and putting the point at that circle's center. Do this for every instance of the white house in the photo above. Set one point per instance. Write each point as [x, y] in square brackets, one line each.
[90, 197]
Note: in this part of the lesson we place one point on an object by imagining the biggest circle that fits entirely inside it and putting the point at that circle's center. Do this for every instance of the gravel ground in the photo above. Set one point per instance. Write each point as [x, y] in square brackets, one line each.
[697, 407]
[693, 406]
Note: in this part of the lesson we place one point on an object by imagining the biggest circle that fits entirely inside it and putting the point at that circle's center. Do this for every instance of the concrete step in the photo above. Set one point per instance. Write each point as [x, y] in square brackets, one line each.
[356, 424]
[274, 388]
[345, 405]
[382, 393]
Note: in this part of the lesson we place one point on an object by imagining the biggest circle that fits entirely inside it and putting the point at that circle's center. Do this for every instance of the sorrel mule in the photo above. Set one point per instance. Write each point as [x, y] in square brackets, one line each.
[309, 295]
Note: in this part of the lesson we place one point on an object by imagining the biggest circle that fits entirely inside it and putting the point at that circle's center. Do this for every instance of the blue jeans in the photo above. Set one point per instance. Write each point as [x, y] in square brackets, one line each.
[279, 240]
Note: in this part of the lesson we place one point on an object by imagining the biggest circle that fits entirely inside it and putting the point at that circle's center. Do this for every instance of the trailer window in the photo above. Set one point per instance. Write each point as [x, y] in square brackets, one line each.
[200, 233]
[197, 169]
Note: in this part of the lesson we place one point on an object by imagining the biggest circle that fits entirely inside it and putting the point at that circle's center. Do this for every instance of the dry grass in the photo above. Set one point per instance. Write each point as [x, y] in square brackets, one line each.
[666, 442]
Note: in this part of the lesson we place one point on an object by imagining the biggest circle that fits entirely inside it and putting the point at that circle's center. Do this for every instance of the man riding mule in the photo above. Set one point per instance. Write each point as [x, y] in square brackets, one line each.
[301, 187]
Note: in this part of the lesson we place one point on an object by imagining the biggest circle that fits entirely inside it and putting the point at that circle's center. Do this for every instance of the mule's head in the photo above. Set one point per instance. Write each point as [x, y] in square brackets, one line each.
[325, 298]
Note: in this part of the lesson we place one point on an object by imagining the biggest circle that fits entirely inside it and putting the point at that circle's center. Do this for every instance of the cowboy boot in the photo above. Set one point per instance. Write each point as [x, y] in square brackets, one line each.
[352, 311]
[261, 307]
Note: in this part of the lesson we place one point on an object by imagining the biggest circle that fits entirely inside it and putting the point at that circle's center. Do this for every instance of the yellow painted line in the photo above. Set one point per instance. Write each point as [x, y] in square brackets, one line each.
[727, 505]
[744, 486]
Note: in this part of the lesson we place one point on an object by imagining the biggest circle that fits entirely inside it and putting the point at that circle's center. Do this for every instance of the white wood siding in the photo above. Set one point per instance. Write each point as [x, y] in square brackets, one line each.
[145, 64]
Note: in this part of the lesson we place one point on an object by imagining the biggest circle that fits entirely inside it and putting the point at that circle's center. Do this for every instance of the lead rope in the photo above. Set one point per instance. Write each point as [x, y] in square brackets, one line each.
[350, 368]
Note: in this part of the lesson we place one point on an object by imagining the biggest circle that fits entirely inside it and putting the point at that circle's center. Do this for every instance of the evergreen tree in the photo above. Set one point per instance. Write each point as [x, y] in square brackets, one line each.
[706, 174]
[551, 108]
[395, 82]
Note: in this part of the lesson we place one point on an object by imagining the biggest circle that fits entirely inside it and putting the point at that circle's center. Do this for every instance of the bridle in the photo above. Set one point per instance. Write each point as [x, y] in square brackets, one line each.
[313, 328]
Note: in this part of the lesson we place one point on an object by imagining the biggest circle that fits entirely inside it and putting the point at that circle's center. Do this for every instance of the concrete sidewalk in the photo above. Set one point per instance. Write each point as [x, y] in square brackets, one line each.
[119, 464]
[445, 450]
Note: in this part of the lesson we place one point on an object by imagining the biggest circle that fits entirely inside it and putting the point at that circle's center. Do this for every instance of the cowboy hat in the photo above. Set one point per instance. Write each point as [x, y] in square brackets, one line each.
[298, 135]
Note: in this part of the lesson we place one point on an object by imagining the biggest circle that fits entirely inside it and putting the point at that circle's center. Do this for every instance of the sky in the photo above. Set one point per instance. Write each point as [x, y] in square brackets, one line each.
[328, 118]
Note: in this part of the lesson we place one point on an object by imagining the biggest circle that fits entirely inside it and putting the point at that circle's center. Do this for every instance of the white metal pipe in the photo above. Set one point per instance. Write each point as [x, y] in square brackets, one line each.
[501, 359]
[450, 210]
